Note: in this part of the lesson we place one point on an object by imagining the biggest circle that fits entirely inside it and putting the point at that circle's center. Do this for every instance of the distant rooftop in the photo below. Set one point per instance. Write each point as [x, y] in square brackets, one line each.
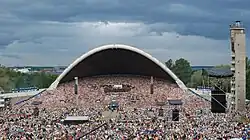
[201, 67]
[219, 72]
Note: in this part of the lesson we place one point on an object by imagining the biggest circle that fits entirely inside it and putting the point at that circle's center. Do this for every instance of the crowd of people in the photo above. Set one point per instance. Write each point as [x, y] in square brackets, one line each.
[137, 116]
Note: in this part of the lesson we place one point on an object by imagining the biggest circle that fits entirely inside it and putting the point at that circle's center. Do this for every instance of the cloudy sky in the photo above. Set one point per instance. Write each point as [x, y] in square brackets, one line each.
[55, 32]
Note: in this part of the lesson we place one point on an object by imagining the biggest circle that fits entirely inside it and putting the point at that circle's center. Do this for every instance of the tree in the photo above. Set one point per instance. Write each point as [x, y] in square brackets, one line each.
[223, 66]
[183, 70]
[226, 82]
[196, 79]
[170, 64]
[10, 79]
[4, 79]
[43, 80]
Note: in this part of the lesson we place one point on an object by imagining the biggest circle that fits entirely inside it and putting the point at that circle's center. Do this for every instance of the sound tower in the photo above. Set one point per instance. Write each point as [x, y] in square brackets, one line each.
[175, 115]
[218, 101]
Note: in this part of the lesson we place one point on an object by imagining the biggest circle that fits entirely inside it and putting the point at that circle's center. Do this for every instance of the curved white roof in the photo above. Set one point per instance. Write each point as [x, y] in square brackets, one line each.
[118, 46]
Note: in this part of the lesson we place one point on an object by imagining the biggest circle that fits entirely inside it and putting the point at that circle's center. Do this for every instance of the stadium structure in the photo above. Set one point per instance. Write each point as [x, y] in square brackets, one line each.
[116, 59]
[119, 73]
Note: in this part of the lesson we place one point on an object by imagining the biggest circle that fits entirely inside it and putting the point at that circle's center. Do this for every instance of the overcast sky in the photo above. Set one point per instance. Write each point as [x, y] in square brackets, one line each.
[56, 32]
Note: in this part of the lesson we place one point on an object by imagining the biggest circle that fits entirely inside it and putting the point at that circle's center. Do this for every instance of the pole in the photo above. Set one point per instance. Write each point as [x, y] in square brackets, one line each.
[208, 81]
[76, 91]
[152, 85]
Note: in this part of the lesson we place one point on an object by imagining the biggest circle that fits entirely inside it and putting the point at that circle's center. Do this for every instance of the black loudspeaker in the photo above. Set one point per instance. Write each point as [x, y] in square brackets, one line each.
[175, 115]
[160, 112]
[76, 89]
[151, 89]
[218, 101]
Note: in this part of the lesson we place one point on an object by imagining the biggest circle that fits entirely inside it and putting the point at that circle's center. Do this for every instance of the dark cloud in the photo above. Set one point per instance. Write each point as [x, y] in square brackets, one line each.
[5, 40]
[194, 17]
[46, 26]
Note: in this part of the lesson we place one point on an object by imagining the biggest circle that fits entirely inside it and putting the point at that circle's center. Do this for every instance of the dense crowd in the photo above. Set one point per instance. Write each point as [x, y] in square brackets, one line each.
[137, 116]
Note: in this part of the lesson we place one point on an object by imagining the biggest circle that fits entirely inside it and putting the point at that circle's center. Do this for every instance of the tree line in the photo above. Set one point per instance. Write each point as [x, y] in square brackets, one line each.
[10, 79]
[194, 78]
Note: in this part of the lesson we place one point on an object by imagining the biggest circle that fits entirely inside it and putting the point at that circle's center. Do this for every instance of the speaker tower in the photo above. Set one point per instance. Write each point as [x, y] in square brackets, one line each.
[175, 115]
[218, 101]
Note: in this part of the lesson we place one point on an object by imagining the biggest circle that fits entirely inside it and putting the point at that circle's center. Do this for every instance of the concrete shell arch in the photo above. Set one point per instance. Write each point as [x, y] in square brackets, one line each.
[61, 77]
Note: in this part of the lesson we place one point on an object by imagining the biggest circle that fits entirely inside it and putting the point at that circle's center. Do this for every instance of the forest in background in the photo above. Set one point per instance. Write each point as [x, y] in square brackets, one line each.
[10, 79]
[194, 78]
